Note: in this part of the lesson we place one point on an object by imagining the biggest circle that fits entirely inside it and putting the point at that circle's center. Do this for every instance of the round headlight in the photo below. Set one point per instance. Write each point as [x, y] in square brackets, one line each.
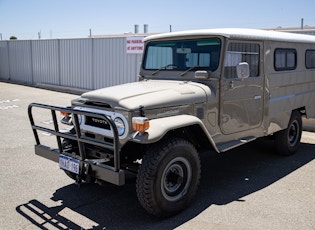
[120, 126]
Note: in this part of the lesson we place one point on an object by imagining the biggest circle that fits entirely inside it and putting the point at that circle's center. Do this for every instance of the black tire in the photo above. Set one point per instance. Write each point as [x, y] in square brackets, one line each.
[168, 178]
[288, 140]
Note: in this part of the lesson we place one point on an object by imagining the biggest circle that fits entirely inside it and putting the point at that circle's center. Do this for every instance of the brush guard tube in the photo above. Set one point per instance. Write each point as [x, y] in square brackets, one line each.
[113, 174]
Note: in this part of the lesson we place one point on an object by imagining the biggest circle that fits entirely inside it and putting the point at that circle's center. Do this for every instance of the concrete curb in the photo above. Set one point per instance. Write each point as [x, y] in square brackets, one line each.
[62, 89]
[57, 88]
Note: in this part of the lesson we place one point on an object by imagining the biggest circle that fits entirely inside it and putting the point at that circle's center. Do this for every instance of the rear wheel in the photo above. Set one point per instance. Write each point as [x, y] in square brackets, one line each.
[288, 140]
[168, 177]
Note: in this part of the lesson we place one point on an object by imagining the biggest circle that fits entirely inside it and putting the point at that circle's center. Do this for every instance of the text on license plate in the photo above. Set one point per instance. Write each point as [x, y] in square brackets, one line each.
[68, 163]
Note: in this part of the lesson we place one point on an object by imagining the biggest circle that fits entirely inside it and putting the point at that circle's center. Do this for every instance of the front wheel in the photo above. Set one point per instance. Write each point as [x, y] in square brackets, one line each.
[288, 140]
[168, 177]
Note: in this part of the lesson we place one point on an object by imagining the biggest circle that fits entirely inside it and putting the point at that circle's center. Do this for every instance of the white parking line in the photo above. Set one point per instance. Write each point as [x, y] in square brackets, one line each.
[8, 107]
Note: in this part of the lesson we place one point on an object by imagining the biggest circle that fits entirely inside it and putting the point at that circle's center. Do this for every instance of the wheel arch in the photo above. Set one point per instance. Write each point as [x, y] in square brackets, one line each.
[187, 127]
[192, 133]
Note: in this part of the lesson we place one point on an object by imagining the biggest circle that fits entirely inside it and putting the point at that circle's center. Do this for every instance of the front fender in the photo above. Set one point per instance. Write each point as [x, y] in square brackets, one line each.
[159, 127]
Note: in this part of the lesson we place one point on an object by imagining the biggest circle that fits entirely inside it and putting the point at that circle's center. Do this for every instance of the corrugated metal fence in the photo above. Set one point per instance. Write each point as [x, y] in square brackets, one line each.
[90, 63]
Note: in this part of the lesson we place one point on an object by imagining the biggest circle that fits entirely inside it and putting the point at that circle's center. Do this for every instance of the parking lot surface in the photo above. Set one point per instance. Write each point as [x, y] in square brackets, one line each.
[246, 188]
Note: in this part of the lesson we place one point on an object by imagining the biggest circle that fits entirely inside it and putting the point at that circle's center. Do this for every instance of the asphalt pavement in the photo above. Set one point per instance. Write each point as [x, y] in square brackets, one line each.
[249, 187]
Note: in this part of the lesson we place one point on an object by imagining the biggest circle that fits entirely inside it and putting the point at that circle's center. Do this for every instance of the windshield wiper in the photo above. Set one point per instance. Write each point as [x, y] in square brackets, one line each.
[164, 67]
[193, 67]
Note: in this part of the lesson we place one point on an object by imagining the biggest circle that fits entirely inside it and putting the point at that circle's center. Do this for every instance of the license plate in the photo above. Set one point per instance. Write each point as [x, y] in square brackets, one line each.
[69, 164]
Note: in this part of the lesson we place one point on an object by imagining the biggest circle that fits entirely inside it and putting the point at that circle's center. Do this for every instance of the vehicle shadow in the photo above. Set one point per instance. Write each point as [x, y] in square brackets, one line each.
[225, 178]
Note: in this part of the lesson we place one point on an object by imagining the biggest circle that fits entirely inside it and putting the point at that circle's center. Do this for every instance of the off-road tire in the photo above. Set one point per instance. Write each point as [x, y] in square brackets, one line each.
[288, 140]
[168, 178]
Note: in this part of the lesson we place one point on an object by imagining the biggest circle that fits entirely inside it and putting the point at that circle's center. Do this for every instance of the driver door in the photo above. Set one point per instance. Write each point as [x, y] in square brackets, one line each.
[241, 106]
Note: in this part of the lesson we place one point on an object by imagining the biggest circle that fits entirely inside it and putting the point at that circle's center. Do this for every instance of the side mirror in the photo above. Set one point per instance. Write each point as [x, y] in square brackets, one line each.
[242, 70]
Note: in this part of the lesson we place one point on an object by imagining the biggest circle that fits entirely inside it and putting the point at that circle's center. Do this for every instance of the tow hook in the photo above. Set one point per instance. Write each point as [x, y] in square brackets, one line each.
[78, 181]
[85, 175]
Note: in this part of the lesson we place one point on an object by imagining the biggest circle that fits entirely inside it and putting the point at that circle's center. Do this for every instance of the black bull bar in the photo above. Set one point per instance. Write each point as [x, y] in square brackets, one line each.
[112, 174]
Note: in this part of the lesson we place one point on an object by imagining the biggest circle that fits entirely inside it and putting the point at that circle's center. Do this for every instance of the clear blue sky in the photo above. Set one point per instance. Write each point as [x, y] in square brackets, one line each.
[73, 18]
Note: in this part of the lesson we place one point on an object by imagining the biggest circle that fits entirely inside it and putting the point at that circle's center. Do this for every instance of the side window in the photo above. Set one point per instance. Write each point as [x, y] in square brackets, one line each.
[285, 59]
[310, 59]
[241, 52]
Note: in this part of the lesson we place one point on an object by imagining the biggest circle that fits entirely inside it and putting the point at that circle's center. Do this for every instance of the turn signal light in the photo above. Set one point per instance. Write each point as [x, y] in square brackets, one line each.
[140, 124]
[65, 114]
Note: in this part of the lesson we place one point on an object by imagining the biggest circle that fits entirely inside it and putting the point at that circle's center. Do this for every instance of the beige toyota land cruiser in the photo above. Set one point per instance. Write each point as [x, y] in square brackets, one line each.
[197, 90]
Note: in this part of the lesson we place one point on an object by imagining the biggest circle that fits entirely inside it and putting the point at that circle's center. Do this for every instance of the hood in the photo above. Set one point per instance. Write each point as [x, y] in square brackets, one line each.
[149, 94]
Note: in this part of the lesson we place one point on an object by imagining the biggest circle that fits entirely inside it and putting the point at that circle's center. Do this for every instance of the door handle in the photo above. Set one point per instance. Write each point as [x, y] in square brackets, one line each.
[257, 97]
[231, 84]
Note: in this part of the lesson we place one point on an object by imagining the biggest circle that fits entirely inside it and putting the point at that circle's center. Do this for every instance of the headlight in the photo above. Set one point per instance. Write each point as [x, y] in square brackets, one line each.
[120, 126]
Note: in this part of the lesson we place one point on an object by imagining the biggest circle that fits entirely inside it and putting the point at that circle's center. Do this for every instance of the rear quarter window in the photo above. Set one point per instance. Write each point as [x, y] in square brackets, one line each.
[284, 59]
[310, 59]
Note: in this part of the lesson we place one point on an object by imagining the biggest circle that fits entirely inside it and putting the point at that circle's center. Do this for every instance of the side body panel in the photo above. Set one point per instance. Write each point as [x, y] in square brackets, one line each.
[288, 89]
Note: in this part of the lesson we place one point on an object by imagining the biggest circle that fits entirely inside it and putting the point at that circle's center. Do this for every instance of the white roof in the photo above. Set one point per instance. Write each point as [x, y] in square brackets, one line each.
[241, 33]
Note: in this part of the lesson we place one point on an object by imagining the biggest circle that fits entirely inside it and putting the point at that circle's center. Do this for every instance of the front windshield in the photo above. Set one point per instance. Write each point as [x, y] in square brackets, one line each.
[183, 55]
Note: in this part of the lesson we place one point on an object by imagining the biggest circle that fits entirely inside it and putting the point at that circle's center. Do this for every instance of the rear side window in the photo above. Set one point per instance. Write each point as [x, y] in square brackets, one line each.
[285, 59]
[310, 59]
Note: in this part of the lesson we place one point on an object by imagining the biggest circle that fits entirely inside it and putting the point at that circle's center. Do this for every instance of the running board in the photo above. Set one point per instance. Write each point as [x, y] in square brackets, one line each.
[235, 143]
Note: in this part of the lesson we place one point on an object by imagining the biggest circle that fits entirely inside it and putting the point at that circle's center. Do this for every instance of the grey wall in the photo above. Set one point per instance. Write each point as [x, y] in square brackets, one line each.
[90, 63]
